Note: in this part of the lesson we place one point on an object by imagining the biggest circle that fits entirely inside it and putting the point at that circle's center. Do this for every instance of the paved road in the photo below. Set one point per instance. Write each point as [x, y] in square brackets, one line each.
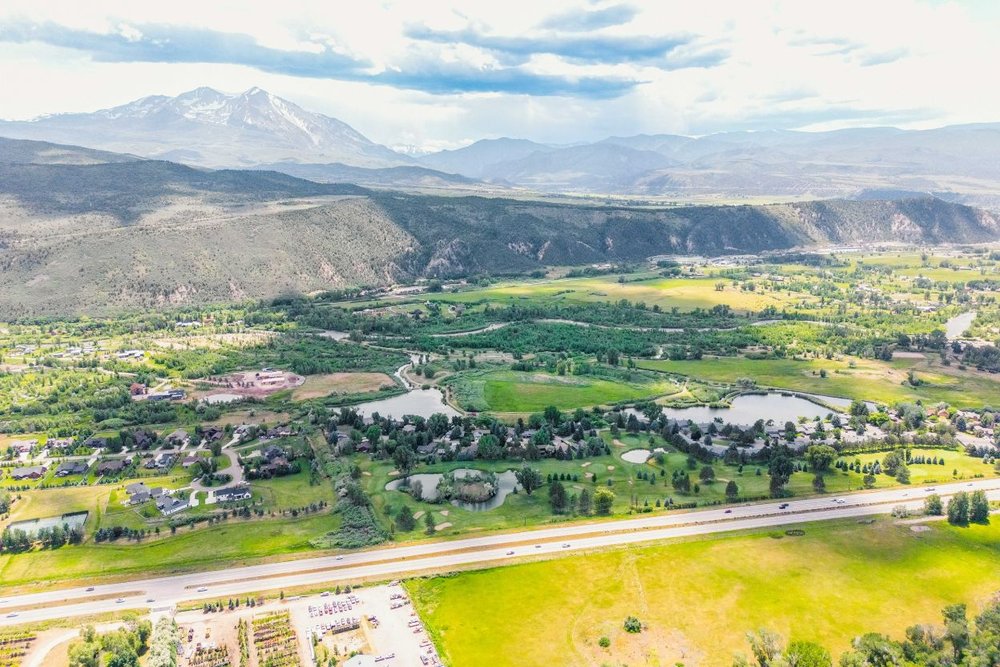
[389, 562]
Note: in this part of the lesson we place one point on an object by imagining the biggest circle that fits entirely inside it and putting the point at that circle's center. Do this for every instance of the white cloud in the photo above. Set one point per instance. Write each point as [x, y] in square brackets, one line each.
[778, 64]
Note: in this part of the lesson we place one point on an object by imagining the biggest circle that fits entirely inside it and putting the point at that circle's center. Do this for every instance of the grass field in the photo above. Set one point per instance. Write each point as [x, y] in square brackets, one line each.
[682, 293]
[231, 542]
[520, 392]
[318, 386]
[866, 379]
[699, 598]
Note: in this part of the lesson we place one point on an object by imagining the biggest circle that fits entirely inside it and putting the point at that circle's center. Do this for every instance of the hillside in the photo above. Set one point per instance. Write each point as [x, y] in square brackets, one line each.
[111, 235]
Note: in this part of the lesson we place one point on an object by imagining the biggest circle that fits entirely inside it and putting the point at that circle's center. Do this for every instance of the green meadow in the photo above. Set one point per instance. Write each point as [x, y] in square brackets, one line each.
[698, 598]
[864, 379]
[508, 391]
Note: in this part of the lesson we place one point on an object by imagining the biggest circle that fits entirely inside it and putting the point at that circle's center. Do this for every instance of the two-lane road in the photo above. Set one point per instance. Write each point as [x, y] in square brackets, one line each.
[389, 562]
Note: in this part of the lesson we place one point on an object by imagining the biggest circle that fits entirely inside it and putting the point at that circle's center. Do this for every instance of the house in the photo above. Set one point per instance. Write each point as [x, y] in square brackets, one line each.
[239, 492]
[72, 468]
[272, 452]
[138, 498]
[61, 444]
[96, 443]
[136, 487]
[178, 438]
[28, 472]
[112, 466]
[144, 439]
[138, 389]
[23, 446]
[190, 460]
[161, 461]
[169, 505]
[213, 433]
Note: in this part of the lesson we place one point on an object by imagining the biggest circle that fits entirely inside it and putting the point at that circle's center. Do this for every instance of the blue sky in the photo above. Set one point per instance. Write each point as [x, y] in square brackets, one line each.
[439, 74]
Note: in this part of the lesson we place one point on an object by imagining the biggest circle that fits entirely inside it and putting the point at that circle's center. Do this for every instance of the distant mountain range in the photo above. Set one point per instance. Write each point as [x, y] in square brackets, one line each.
[85, 231]
[204, 127]
[255, 129]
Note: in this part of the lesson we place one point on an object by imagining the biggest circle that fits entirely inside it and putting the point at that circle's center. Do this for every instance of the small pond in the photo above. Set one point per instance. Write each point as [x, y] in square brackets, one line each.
[32, 526]
[506, 484]
[957, 326]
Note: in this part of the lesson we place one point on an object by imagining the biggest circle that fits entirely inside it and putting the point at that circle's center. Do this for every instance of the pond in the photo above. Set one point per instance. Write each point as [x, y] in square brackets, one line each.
[636, 455]
[419, 402]
[957, 326]
[506, 484]
[32, 526]
[748, 408]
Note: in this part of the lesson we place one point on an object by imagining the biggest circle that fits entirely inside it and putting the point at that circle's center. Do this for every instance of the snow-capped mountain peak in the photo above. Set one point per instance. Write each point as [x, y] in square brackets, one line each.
[211, 128]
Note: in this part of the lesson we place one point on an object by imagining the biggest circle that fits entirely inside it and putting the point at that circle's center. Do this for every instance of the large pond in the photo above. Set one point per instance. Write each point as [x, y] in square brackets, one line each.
[32, 526]
[748, 408]
[419, 402]
[506, 483]
[957, 326]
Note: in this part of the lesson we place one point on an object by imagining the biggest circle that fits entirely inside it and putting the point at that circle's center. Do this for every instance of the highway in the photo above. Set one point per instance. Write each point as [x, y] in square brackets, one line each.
[391, 562]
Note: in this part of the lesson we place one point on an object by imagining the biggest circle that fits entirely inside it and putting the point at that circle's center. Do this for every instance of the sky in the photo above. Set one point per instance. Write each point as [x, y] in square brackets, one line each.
[438, 74]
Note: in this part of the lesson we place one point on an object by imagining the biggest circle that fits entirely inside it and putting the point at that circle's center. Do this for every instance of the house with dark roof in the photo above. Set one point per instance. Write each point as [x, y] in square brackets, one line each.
[169, 505]
[112, 466]
[71, 468]
[28, 472]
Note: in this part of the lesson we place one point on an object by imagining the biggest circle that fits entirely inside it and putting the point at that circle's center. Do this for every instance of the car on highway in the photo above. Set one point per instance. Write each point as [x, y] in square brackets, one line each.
[149, 600]
[783, 506]
[90, 588]
[119, 600]
[202, 589]
[510, 553]
[565, 545]
[12, 614]
[728, 512]
[340, 558]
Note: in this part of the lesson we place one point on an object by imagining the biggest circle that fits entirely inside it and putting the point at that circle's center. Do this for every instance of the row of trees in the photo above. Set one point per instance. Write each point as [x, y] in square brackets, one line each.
[957, 642]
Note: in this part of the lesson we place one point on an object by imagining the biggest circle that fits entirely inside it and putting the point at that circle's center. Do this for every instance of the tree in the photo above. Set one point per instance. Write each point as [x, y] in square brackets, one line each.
[903, 474]
[489, 448]
[707, 474]
[807, 654]
[529, 479]
[429, 526]
[404, 519]
[583, 503]
[933, 505]
[604, 498]
[633, 625]
[780, 468]
[820, 458]
[732, 490]
[979, 507]
[404, 459]
[958, 509]
[557, 497]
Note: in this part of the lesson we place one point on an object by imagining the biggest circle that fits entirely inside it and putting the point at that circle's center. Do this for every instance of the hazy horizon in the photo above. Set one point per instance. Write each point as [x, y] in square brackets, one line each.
[444, 75]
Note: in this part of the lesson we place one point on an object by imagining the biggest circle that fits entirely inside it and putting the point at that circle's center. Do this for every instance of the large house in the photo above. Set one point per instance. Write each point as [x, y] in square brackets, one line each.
[71, 468]
[238, 492]
[28, 472]
[112, 466]
[169, 505]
